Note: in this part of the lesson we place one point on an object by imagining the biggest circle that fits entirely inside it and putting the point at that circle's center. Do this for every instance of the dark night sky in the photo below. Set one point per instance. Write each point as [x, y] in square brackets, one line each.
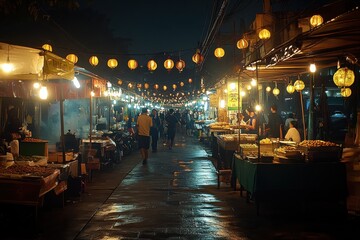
[141, 29]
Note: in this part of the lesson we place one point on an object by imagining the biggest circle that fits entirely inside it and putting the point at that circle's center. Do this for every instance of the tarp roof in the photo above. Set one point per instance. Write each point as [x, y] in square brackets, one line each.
[33, 64]
[324, 45]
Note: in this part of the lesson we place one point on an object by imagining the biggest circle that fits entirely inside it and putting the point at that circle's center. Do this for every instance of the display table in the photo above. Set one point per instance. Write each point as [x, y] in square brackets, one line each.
[302, 182]
[105, 148]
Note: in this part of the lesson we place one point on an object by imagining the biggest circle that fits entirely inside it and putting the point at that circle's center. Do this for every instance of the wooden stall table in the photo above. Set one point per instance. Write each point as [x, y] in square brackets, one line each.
[304, 182]
[27, 188]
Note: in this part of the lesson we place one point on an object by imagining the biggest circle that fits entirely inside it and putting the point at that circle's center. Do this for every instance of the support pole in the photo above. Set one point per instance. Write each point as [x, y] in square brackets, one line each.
[302, 114]
[311, 109]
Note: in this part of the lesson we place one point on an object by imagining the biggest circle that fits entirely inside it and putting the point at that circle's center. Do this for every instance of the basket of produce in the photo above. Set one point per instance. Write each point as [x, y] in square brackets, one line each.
[321, 151]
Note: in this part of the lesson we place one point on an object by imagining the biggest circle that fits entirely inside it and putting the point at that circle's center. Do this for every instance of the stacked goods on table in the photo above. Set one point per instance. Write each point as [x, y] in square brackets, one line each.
[248, 149]
[24, 171]
[219, 126]
[31, 160]
[289, 154]
[321, 151]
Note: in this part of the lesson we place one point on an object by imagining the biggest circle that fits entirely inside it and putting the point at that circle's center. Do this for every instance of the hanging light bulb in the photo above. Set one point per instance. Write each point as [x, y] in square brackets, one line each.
[312, 67]
[36, 85]
[253, 82]
[7, 67]
[268, 89]
[43, 93]
[299, 85]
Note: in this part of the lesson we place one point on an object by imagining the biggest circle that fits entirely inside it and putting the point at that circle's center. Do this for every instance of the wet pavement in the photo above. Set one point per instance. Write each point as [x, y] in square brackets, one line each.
[173, 196]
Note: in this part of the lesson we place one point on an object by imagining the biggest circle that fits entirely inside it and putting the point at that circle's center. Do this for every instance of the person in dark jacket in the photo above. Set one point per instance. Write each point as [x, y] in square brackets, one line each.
[154, 130]
[274, 127]
[172, 122]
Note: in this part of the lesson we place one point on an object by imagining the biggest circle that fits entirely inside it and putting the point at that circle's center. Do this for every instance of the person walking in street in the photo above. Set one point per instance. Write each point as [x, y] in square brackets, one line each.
[154, 130]
[143, 124]
[172, 122]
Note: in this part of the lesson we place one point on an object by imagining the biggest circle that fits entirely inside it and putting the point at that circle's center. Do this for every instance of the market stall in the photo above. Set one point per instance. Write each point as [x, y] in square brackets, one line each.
[294, 173]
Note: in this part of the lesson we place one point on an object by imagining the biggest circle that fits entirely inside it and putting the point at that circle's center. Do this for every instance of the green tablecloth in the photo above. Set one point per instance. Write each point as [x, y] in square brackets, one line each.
[303, 181]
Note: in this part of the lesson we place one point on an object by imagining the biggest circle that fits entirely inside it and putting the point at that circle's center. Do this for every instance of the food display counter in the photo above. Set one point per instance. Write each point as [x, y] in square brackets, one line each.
[27, 185]
[302, 181]
[105, 148]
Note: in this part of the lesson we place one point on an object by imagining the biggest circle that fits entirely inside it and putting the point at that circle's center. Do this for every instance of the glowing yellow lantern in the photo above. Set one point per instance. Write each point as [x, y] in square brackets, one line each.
[299, 85]
[182, 84]
[94, 61]
[345, 92]
[242, 44]
[264, 34]
[174, 86]
[344, 77]
[165, 87]
[47, 47]
[219, 53]
[180, 65]
[152, 65]
[268, 89]
[132, 64]
[276, 91]
[72, 58]
[120, 82]
[112, 63]
[190, 80]
[316, 20]
[197, 57]
[146, 85]
[168, 64]
[156, 86]
[130, 85]
[138, 85]
[290, 88]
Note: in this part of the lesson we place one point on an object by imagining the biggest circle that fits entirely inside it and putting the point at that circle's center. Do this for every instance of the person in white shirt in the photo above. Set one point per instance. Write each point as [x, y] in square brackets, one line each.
[293, 134]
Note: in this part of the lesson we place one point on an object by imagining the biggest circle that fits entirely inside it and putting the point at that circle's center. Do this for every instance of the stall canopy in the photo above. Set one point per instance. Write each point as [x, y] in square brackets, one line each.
[324, 45]
[33, 64]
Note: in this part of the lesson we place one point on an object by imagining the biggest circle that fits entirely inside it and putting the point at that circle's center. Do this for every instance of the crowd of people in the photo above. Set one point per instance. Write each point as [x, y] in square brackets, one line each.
[159, 125]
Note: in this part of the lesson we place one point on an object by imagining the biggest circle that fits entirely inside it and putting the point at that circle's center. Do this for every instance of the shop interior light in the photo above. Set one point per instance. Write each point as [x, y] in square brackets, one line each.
[268, 88]
[36, 85]
[253, 82]
[76, 82]
[258, 108]
[8, 66]
[43, 93]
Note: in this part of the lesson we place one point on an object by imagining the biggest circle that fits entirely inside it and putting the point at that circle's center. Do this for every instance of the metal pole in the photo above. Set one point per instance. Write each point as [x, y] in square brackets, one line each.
[302, 114]
[258, 115]
[311, 110]
[62, 122]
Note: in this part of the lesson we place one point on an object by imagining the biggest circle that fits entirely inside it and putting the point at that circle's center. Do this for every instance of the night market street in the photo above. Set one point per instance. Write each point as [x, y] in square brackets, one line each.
[174, 196]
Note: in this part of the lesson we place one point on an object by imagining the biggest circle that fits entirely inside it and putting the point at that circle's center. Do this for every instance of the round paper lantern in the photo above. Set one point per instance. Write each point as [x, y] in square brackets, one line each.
[242, 44]
[190, 80]
[174, 86]
[290, 88]
[94, 61]
[152, 65]
[132, 64]
[112, 63]
[264, 34]
[130, 85]
[182, 84]
[156, 86]
[72, 58]
[219, 53]
[180, 65]
[276, 91]
[316, 20]
[345, 92]
[197, 57]
[138, 85]
[120, 82]
[165, 87]
[168, 64]
[344, 77]
[146, 85]
[268, 89]
[299, 85]
[47, 47]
